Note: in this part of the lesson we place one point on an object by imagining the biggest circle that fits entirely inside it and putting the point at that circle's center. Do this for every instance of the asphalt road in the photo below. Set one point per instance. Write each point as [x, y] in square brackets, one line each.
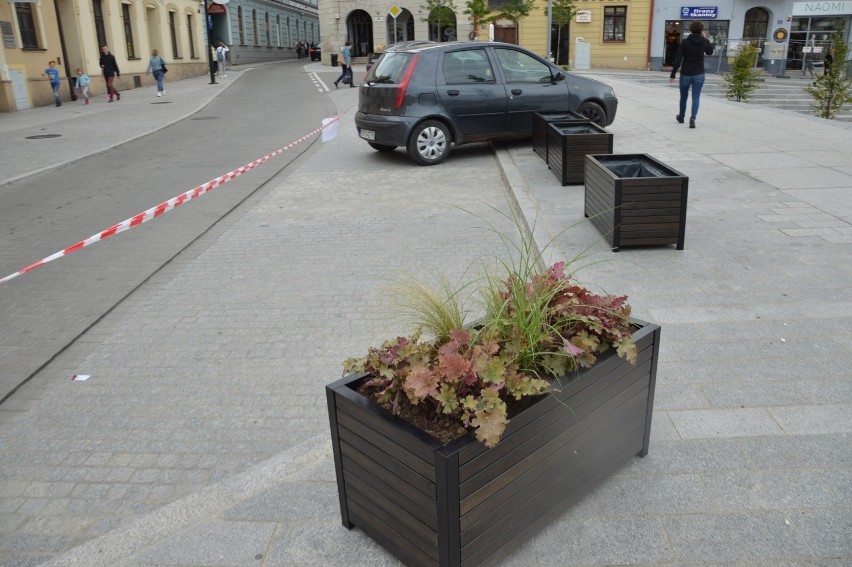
[48, 212]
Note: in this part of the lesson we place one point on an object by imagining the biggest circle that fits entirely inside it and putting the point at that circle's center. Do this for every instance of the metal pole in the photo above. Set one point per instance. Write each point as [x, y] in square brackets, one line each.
[208, 28]
[549, 26]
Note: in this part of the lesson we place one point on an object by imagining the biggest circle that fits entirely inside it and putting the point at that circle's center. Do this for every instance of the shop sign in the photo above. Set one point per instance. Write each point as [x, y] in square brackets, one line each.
[699, 13]
[822, 8]
[780, 35]
[8, 35]
[583, 16]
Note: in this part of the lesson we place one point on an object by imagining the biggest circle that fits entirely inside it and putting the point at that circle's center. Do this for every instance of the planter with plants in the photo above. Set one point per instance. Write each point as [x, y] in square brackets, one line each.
[636, 200]
[541, 120]
[569, 144]
[450, 451]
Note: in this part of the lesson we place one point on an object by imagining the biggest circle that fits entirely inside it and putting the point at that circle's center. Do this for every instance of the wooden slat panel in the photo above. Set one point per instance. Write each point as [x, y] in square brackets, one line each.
[403, 434]
[483, 470]
[505, 483]
[662, 185]
[643, 226]
[629, 214]
[400, 453]
[475, 457]
[556, 493]
[393, 466]
[372, 472]
[407, 526]
[385, 536]
[656, 241]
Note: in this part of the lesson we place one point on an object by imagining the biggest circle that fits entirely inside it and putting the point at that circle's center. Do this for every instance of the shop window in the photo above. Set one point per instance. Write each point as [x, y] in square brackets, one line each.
[278, 29]
[256, 36]
[614, 23]
[128, 31]
[26, 25]
[268, 37]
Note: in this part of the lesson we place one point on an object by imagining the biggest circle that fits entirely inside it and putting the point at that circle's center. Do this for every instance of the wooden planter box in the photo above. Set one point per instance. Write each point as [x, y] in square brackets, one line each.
[542, 119]
[635, 200]
[569, 144]
[461, 504]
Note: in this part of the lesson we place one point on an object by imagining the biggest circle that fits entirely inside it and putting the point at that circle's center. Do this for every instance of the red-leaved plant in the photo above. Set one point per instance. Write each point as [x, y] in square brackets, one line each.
[536, 330]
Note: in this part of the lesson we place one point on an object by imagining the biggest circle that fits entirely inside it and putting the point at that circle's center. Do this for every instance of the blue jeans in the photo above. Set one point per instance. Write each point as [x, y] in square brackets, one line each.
[696, 82]
[56, 93]
[158, 75]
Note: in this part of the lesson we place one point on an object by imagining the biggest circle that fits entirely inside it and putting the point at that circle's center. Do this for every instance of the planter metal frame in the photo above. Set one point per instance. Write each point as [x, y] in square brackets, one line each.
[461, 504]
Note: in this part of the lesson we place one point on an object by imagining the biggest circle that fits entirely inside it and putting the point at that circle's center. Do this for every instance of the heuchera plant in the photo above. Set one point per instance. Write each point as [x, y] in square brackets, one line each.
[536, 331]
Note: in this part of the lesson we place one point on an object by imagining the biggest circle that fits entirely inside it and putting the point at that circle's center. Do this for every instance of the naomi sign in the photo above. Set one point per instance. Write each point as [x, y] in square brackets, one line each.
[822, 8]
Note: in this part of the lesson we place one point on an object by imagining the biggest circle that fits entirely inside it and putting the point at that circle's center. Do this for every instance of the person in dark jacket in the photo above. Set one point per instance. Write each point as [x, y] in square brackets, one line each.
[110, 71]
[690, 61]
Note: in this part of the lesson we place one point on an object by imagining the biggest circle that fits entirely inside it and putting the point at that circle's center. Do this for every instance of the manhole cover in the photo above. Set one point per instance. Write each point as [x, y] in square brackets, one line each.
[43, 136]
[205, 118]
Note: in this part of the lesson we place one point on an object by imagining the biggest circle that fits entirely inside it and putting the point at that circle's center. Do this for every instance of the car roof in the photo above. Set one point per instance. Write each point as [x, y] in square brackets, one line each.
[422, 45]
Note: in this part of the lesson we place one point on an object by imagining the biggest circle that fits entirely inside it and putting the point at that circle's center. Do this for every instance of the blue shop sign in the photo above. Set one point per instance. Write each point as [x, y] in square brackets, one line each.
[699, 13]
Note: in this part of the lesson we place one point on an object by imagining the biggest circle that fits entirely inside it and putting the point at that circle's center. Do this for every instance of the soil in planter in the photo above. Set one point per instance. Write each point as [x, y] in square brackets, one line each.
[422, 416]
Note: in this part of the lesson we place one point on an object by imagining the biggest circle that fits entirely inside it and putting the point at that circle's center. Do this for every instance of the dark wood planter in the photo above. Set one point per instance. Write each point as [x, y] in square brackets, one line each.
[636, 200]
[569, 144]
[460, 504]
[542, 119]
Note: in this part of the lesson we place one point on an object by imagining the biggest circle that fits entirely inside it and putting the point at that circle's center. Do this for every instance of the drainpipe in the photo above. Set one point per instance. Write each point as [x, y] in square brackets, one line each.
[70, 76]
[650, 36]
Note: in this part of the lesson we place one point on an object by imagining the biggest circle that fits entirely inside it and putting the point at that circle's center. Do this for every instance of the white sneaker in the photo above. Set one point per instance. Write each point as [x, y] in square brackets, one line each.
[164, 92]
[159, 94]
[224, 76]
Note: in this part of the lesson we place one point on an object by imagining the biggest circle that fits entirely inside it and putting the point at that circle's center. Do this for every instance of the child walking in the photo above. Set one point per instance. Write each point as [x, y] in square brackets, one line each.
[81, 83]
[53, 74]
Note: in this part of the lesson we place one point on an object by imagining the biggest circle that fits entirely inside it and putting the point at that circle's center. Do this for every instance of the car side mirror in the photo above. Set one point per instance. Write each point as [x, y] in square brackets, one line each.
[558, 77]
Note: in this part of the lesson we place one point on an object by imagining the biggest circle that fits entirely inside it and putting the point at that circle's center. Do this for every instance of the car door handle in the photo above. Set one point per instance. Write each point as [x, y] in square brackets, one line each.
[517, 92]
[453, 92]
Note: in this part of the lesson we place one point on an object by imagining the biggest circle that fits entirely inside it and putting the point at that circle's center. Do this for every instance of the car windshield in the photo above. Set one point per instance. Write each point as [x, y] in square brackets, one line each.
[389, 69]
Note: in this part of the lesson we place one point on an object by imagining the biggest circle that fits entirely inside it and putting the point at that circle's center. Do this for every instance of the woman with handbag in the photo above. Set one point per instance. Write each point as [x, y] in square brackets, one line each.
[157, 66]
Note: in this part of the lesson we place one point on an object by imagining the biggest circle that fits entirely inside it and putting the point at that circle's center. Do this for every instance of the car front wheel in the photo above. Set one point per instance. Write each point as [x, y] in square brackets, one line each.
[594, 111]
[429, 143]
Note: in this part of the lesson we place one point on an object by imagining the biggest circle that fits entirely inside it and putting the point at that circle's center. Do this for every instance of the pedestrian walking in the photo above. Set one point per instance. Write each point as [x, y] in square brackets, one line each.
[808, 64]
[827, 61]
[299, 49]
[81, 83]
[109, 67]
[346, 58]
[690, 61]
[157, 66]
[222, 56]
[52, 73]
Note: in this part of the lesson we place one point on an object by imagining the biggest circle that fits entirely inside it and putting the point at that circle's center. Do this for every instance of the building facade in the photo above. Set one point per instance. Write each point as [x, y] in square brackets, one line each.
[263, 30]
[784, 31]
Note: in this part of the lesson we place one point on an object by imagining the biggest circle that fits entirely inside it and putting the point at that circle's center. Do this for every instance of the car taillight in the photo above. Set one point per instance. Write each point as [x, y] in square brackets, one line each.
[402, 88]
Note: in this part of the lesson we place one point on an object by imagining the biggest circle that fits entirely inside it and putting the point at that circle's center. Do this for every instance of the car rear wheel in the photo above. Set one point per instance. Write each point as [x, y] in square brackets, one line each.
[381, 147]
[594, 111]
[429, 143]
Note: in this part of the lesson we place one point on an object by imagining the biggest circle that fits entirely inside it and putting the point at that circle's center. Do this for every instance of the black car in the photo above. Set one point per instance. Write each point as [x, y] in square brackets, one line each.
[428, 97]
[316, 51]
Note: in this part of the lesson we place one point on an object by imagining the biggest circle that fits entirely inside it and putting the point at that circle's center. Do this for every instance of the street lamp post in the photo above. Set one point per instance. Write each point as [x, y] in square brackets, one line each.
[208, 26]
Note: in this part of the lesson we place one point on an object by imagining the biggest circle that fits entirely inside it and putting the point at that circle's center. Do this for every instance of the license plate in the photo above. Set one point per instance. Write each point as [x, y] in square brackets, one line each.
[368, 134]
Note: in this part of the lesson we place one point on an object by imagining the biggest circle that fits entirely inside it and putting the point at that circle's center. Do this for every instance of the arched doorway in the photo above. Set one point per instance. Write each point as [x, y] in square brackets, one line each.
[506, 31]
[359, 27]
[755, 27]
[442, 24]
[404, 31]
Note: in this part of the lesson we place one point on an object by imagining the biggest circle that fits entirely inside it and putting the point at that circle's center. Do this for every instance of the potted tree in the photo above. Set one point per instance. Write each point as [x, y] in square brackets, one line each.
[449, 451]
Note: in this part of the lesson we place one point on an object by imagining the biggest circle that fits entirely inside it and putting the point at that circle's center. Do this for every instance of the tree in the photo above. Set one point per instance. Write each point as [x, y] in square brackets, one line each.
[515, 10]
[562, 12]
[477, 11]
[440, 14]
[742, 80]
[832, 90]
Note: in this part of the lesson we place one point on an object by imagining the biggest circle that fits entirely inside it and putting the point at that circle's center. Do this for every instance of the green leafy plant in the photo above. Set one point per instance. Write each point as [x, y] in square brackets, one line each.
[743, 78]
[561, 14]
[478, 12]
[832, 91]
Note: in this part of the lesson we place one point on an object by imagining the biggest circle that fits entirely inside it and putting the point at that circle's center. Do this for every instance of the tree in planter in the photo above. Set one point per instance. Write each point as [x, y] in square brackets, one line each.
[441, 14]
[478, 12]
[742, 80]
[562, 12]
[832, 90]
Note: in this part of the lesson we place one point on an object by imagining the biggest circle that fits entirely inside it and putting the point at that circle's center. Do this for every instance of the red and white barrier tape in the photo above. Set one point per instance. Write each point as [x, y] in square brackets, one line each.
[166, 206]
